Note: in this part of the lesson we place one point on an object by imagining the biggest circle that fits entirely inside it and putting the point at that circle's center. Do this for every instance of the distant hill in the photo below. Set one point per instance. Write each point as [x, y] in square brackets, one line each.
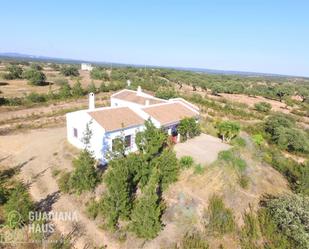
[27, 57]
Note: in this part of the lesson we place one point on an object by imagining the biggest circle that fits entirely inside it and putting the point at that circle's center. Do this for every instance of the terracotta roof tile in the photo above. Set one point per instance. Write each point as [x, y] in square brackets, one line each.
[169, 113]
[112, 119]
[134, 97]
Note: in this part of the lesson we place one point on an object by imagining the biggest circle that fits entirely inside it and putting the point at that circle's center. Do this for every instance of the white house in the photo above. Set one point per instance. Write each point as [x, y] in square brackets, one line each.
[86, 67]
[124, 118]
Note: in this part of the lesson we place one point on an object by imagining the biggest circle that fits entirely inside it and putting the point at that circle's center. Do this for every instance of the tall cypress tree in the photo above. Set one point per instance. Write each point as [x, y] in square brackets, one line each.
[168, 167]
[117, 203]
[146, 215]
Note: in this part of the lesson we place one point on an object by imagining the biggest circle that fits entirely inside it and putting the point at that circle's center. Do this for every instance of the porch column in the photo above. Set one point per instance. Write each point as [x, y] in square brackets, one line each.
[169, 131]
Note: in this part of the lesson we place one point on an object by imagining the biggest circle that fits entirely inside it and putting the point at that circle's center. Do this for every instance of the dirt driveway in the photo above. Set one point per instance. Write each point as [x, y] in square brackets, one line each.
[203, 149]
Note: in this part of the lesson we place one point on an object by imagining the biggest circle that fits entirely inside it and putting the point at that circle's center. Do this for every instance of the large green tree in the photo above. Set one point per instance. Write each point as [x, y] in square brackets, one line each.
[151, 141]
[167, 165]
[84, 177]
[117, 202]
[282, 91]
[146, 215]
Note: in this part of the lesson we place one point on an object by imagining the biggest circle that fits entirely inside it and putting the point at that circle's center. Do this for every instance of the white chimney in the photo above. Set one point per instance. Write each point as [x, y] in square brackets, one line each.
[91, 101]
[147, 102]
[129, 82]
[139, 90]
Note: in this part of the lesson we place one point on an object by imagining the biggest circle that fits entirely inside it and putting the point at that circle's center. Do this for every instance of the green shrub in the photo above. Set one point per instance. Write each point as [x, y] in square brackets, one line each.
[64, 182]
[55, 172]
[103, 88]
[34, 77]
[92, 209]
[296, 173]
[243, 181]
[69, 70]
[17, 207]
[226, 155]
[278, 120]
[84, 177]
[290, 213]
[77, 90]
[99, 74]
[193, 240]
[230, 157]
[65, 91]
[14, 72]
[220, 219]
[293, 140]
[36, 97]
[166, 93]
[186, 162]
[36, 66]
[250, 232]
[199, 169]
[239, 141]
[91, 88]
[262, 106]
[272, 235]
[258, 139]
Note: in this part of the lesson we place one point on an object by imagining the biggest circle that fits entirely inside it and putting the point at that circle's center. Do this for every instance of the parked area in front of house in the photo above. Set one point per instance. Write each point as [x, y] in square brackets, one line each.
[204, 149]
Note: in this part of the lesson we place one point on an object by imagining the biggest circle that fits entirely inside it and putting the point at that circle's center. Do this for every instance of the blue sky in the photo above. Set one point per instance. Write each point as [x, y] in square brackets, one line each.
[270, 36]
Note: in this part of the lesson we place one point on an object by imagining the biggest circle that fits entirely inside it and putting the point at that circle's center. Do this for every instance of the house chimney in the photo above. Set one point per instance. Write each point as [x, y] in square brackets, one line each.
[147, 102]
[129, 83]
[139, 90]
[91, 101]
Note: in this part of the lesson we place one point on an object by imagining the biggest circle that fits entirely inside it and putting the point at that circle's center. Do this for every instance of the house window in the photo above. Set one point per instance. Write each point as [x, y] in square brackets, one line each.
[127, 141]
[75, 133]
[117, 142]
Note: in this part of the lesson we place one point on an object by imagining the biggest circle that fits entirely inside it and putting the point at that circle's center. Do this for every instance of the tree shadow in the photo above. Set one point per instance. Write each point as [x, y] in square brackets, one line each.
[45, 205]
[9, 173]
[34, 178]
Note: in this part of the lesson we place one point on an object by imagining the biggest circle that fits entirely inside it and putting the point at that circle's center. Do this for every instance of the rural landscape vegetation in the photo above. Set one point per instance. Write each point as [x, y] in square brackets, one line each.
[254, 195]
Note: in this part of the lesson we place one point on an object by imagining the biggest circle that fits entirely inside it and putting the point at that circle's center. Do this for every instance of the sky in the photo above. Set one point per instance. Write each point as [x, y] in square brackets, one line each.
[269, 36]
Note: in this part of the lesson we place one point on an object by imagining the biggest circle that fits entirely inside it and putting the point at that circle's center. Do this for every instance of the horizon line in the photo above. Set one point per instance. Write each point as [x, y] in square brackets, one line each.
[20, 55]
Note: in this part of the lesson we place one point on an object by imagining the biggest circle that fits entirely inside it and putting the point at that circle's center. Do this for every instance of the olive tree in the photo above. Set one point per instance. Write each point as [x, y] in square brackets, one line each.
[188, 128]
[228, 130]
[34, 77]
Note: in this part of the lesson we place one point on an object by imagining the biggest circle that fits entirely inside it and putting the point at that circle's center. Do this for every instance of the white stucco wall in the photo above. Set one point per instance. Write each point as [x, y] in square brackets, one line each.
[86, 67]
[109, 136]
[79, 120]
[101, 141]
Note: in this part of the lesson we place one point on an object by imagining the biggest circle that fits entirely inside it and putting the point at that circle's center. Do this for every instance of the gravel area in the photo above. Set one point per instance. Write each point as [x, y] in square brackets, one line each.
[203, 149]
